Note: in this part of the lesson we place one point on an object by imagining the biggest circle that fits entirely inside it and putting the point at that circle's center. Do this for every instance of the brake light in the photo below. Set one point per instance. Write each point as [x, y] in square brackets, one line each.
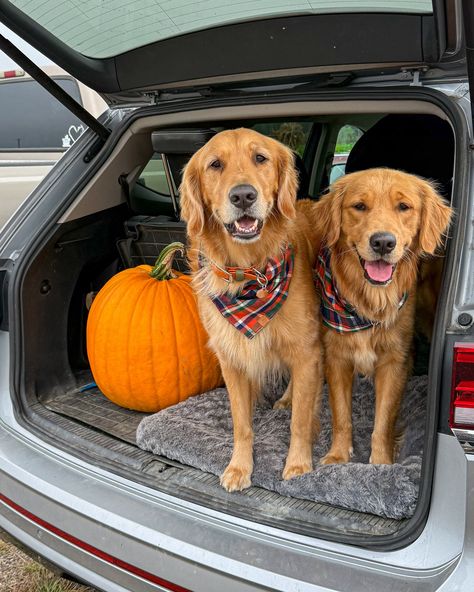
[11, 73]
[462, 389]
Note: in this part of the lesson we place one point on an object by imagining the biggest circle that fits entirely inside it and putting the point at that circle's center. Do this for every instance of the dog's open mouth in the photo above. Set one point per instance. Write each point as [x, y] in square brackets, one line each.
[378, 272]
[245, 227]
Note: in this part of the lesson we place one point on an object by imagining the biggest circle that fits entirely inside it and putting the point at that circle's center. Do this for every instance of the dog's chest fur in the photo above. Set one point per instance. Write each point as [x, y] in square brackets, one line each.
[291, 331]
[363, 349]
[255, 357]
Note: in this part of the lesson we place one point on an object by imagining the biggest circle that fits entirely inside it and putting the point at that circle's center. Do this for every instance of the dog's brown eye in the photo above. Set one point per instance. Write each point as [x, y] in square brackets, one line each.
[403, 207]
[260, 158]
[216, 164]
[360, 207]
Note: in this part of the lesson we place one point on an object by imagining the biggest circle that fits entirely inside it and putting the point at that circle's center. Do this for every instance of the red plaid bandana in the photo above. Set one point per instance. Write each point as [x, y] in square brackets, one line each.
[336, 312]
[246, 311]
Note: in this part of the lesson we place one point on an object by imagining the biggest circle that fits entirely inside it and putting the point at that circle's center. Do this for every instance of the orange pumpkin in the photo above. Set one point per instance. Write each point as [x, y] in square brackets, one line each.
[146, 345]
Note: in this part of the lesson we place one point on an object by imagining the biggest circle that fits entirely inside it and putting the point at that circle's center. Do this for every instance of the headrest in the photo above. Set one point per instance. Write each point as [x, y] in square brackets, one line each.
[179, 144]
[419, 144]
[180, 140]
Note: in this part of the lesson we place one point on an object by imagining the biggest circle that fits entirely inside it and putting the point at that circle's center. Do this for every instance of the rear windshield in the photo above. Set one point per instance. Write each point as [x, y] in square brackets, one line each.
[103, 29]
[30, 118]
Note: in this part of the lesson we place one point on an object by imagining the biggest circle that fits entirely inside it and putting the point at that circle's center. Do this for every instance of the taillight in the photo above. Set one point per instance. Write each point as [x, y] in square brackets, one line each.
[462, 389]
[11, 73]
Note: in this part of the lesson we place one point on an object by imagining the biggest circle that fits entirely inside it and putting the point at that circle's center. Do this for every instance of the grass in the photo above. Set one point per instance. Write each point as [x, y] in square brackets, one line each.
[20, 573]
[342, 148]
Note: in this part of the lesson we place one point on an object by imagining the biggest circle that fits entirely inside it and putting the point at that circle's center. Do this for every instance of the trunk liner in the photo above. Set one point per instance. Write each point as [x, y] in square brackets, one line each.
[95, 410]
[91, 417]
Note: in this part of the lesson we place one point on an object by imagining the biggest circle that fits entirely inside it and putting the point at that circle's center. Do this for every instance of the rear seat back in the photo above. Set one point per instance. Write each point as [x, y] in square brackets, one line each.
[418, 144]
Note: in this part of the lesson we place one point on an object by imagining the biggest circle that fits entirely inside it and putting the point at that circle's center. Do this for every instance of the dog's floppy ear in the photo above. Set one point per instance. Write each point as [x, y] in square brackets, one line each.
[287, 182]
[329, 212]
[192, 208]
[435, 217]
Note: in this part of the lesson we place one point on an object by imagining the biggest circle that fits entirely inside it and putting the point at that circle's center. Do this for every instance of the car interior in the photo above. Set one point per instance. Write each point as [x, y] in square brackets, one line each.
[125, 216]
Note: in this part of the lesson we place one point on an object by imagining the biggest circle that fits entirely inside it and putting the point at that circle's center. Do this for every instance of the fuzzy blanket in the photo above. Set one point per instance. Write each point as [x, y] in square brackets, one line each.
[198, 432]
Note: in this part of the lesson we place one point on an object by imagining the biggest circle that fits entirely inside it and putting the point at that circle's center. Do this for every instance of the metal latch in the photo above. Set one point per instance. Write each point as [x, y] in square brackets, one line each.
[153, 96]
[415, 74]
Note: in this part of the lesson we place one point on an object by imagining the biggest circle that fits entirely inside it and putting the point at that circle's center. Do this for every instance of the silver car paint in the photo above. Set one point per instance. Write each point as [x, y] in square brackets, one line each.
[202, 549]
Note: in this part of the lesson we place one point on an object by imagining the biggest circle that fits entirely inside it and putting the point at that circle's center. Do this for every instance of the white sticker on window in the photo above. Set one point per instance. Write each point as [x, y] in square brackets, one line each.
[73, 134]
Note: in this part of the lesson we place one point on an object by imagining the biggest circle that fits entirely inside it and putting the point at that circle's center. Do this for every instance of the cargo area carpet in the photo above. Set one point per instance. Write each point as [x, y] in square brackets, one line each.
[198, 432]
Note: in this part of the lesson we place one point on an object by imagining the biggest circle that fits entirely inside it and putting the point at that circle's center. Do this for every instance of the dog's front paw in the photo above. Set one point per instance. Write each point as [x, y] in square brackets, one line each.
[296, 469]
[336, 457]
[235, 478]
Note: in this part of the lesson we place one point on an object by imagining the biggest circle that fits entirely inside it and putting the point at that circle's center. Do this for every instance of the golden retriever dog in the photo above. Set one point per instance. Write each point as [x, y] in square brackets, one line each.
[377, 224]
[251, 254]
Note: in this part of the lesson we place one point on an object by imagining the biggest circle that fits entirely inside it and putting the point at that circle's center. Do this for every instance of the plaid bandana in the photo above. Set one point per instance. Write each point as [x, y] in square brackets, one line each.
[246, 311]
[336, 312]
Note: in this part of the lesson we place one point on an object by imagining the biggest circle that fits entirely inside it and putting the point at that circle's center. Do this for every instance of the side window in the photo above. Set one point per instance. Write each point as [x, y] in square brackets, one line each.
[294, 134]
[153, 177]
[31, 119]
[346, 138]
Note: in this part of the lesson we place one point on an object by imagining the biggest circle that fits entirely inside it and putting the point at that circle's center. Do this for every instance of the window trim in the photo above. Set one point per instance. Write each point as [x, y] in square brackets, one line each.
[48, 150]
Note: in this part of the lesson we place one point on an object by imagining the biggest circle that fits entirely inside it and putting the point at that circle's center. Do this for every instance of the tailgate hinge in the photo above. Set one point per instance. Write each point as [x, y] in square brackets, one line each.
[415, 74]
[153, 96]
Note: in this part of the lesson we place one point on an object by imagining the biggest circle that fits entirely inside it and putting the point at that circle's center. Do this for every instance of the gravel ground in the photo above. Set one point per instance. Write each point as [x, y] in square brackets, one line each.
[20, 573]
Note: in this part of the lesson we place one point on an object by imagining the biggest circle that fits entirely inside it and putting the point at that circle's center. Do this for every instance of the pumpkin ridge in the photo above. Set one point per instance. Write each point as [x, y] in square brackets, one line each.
[152, 324]
[103, 304]
[197, 333]
[127, 289]
[133, 351]
[170, 301]
[131, 318]
[106, 384]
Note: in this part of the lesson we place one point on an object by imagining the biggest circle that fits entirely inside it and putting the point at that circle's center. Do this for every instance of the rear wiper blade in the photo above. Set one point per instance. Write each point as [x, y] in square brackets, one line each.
[276, 85]
[330, 81]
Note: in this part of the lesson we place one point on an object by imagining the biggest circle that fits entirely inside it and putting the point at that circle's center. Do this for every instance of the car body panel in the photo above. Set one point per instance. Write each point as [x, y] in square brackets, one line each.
[201, 549]
[18, 178]
[277, 46]
[204, 549]
[21, 170]
[190, 545]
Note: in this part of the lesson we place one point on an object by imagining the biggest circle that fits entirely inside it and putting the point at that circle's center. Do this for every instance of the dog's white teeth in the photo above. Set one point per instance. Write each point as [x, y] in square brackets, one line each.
[244, 229]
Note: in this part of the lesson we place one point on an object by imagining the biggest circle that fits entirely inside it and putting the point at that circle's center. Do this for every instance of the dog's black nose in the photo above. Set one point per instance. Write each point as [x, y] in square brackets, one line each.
[383, 242]
[242, 196]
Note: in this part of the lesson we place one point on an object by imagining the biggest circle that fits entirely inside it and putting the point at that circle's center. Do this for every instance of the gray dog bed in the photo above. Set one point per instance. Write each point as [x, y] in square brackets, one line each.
[198, 432]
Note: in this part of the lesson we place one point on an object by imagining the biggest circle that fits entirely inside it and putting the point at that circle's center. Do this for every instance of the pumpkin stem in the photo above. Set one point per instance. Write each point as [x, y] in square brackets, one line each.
[162, 269]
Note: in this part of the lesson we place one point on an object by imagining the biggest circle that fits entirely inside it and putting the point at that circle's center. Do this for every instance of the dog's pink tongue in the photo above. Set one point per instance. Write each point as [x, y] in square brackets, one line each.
[379, 271]
[246, 222]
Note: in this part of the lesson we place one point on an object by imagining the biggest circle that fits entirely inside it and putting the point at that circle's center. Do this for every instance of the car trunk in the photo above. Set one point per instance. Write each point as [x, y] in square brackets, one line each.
[181, 61]
[85, 247]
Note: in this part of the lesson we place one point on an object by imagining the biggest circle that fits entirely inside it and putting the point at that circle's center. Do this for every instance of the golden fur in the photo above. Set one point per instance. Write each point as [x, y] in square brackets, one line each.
[383, 351]
[291, 340]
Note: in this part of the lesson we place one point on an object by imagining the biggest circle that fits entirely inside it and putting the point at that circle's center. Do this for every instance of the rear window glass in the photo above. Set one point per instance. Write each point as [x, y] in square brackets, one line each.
[102, 29]
[153, 176]
[346, 139]
[294, 134]
[30, 118]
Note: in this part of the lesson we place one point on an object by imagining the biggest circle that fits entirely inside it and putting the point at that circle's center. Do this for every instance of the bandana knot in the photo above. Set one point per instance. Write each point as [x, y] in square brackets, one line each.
[337, 313]
[252, 308]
